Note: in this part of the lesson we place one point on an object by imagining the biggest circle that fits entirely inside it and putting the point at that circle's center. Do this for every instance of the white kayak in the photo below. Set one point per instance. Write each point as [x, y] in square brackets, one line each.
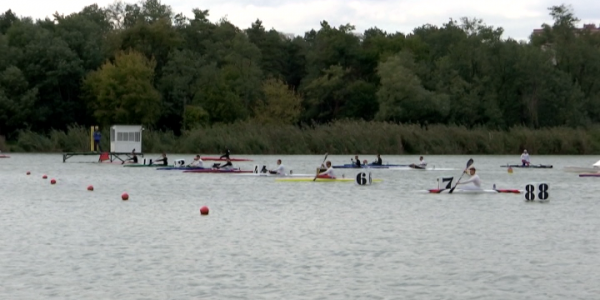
[273, 175]
[595, 168]
[469, 191]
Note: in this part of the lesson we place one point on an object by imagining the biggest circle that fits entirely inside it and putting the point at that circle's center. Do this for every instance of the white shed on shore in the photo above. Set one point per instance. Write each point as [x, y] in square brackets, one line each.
[125, 138]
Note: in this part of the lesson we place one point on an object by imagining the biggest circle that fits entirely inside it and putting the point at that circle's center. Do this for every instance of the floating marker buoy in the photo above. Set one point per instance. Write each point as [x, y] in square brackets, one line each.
[44, 177]
[204, 210]
[510, 170]
[125, 196]
[90, 188]
[28, 173]
[52, 181]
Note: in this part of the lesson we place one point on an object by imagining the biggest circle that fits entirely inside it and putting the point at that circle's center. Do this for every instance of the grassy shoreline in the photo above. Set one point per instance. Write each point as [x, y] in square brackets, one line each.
[341, 137]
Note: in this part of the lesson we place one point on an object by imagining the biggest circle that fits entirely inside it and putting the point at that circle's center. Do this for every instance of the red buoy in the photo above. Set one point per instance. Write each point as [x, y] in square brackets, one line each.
[52, 181]
[204, 210]
[125, 196]
[44, 176]
[28, 173]
[90, 188]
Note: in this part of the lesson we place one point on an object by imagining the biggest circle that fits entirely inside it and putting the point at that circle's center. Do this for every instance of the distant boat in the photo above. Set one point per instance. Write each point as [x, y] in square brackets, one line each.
[595, 168]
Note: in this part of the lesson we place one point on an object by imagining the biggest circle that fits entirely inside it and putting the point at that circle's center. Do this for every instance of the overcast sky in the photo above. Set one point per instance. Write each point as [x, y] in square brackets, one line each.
[517, 17]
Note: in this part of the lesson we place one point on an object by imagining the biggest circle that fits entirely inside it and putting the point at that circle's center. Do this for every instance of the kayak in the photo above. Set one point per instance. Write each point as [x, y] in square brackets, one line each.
[4, 156]
[372, 166]
[274, 175]
[528, 167]
[309, 179]
[589, 175]
[581, 170]
[141, 166]
[224, 159]
[235, 170]
[459, 191]
[181, 168]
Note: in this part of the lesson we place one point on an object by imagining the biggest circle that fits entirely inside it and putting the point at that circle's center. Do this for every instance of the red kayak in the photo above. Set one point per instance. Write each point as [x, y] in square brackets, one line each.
[4, 156]
[224, 159]
[217, 171]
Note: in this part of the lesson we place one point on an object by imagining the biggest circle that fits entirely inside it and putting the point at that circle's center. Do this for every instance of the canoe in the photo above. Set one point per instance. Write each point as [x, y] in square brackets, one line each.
[581, 170]
[529, 167]
[310, 179]
[372, 166]
[223, 159]
[273, 175]
[459, 191]
[589, 175]
[142, 166]
[180, 168]
[235, 170]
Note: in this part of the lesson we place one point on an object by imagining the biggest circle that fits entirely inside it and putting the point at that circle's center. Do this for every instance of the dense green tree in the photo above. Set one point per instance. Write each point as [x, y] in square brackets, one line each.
[122, 91]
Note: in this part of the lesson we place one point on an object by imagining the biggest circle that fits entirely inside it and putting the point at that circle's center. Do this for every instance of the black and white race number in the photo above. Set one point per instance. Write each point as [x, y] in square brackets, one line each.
[364, 179]
[542, 192]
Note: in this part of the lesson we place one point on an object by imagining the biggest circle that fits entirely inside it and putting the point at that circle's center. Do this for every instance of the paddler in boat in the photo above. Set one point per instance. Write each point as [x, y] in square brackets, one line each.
[421, 165]
[525, 158]
[280, 170]
[163, 159]
[132, 160]
[329, 173]
[197, 162]
[474, 179]
[227, 165]
[356, 162]
[378, 161]
[226, 155]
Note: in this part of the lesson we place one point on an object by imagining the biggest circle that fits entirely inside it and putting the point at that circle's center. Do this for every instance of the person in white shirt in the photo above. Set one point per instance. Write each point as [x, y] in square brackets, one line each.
[197, 162]
[421, 165]
[525, 159]
[280, 170]
[475, 182]
[329, 173]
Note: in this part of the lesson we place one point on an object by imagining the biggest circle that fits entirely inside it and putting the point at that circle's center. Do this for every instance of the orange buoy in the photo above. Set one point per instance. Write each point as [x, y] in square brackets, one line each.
[125, 196]
[52, 181]
[204, 210]
[44, 176]
[510, 170]
[90, 188]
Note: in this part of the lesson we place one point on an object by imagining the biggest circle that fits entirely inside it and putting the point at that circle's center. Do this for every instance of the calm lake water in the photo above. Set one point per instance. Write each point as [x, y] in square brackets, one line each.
[275, 240]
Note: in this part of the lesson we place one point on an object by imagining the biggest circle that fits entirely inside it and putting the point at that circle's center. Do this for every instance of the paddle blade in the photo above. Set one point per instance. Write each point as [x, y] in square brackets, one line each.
[469, 163]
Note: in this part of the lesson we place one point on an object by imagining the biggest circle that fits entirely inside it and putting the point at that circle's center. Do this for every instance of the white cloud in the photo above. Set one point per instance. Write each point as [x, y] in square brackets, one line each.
[517, 17]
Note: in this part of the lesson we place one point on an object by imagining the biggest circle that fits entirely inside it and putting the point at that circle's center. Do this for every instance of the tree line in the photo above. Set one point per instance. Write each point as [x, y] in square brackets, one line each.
[144, 64]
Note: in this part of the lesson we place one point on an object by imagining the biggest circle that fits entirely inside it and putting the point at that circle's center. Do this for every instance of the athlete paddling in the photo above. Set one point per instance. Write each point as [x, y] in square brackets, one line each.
[474, 179]
[280, 170]
[329, 173]
[421, 165]
[197, 162]
[163, 159]
[525, 158]
[226, 155]
[378, 162]
[133, 159]
[228, 165]
[356, 163]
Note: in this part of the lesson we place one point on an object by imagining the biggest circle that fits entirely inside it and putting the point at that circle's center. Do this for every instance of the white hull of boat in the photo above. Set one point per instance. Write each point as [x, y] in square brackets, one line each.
[581, 169]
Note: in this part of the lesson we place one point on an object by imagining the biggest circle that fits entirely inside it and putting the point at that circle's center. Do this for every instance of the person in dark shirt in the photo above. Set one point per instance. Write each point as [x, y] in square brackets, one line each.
[227, 165]
[97, 138]
[378, 162]
[163, 159]
[226, 155]
[356, 162]
[133, 159]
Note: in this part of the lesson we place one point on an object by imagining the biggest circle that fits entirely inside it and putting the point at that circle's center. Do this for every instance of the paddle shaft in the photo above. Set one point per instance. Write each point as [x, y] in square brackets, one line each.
[324, 159]
[469, 163]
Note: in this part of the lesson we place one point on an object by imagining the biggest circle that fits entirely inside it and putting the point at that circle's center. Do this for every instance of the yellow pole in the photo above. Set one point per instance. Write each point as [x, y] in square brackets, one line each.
[92, 138]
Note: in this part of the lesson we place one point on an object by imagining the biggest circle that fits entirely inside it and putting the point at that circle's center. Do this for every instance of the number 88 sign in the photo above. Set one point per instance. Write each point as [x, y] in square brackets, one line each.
[542, 194]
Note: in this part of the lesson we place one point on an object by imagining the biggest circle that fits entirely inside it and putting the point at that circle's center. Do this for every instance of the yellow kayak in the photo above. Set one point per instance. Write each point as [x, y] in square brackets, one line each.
[307, 179]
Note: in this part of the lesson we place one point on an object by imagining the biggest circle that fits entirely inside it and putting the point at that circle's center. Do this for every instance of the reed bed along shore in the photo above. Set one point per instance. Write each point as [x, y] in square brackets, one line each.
[341, 137]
